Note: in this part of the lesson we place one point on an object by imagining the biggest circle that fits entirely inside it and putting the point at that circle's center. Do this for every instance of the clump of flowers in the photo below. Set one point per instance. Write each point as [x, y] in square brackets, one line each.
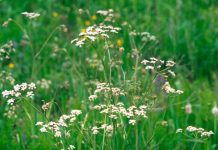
[133, 113]
[105, 127]
[6, 78]
[19, 91]
[145, 36]
[43, 83]
[30, 15]
[92, 33]
[195, 132]
[105, 89]
[163, 68]
[61, 128]
[108, 14]
[6, 50]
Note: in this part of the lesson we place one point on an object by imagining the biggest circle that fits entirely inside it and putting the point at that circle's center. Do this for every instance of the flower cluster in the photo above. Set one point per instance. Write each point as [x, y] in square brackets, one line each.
[30, 15]
[114, 111]
[61, 128]
[158, 65]
[6, 50]
[145, 36]
[19, 90]
[164, 69]
[94, 32]
[168, 89]
[6, 77]
[43, 83]
[106, 89]
[108, 14]
[196, 131]
[107, 128]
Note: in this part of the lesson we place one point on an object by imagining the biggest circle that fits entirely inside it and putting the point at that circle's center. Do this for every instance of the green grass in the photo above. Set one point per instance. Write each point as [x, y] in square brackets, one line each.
[186, 32]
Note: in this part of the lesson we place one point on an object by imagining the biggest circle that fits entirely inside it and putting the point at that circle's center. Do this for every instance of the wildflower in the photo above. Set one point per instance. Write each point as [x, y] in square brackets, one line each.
[164, 123]
[168, 89]
[206, 134]
[94, 32]
[94, 17]
[11, 65]
[57, 134]
[43, 129]
[119, 42]
[11, 101]
[132, 122]
[215, 111]
[171, 73]
[188, 108]
[192, 129]
[55, 14]
[95, 130]
[18, 91]
[39, 123]
[170, 63]
[6, 50]
[44, 84]
[46, 106]
[30, 15]
[87, 23]
[5, 23]
[179, 131]
[92, 97]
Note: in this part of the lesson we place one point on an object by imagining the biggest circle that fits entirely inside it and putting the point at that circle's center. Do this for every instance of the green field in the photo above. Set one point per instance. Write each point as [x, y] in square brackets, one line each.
[106, 74]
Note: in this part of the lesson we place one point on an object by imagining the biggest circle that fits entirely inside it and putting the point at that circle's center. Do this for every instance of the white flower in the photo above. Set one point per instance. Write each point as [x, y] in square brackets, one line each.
[11, 101]
[43, 129]
[188, 108]
[92, 97]
[215, 111]
[179, 131]
[30, 94]
[95, 130]
[39, 123]
[30, 15]
[132, 122]
[170, 63]
[57, 134]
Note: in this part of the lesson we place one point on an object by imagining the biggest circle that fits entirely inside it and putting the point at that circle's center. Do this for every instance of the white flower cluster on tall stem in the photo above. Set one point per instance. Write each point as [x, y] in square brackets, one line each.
[19, 90]
[163, 68]
[30, 15]
[94, 32]
[168, 89]
[61, 127]
[43, 83]
[105, 88]
[114, 111]
[6, 50]
[197, 131]
[107, 128]
[108, 14]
